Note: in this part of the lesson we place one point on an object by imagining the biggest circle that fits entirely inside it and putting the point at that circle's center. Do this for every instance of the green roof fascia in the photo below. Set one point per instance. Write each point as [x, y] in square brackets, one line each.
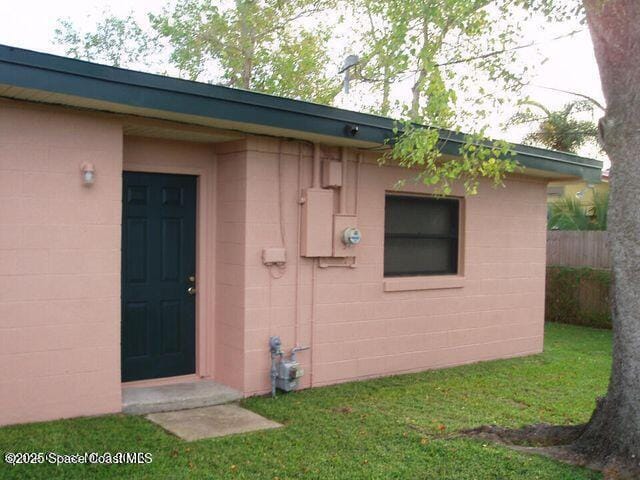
[55, 74]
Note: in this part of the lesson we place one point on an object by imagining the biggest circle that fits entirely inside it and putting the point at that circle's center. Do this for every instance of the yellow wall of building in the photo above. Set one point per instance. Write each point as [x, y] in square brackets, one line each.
[557, 191]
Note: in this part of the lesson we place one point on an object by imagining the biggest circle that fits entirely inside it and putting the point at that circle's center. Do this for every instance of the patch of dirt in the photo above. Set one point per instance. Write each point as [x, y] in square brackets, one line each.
[551, 441]
[517, 403]
[539, 435]
[342, 410]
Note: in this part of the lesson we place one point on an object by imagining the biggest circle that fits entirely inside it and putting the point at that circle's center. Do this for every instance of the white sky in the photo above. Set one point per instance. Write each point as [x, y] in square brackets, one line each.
[570, 66]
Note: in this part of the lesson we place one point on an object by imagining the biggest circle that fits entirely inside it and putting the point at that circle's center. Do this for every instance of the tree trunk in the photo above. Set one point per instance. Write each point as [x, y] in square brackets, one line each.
[416, 90]
[247, 42]
[612, 436]
[385, 104]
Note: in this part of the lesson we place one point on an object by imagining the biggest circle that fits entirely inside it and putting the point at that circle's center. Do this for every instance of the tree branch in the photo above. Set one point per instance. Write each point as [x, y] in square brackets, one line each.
[504, 50]
[581, 95]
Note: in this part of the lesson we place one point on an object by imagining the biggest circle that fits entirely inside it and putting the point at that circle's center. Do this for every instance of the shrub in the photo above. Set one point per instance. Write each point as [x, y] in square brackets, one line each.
[570, 214]
[578, 296]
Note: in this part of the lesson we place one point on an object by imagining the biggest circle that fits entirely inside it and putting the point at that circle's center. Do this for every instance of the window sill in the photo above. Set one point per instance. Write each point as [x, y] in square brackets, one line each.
[401, 284]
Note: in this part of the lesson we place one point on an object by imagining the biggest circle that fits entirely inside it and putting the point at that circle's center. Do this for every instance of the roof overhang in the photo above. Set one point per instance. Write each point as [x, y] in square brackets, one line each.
[45, 78]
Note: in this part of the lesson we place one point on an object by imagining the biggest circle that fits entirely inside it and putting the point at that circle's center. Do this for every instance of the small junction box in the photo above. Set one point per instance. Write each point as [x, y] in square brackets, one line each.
[274, 256]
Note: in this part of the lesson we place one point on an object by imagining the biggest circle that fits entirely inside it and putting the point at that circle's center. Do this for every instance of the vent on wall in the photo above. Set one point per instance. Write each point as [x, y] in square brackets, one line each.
[555, 191]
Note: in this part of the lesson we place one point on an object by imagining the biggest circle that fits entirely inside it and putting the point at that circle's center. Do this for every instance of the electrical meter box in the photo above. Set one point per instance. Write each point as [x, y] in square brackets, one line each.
[316, 237]
[342, 223]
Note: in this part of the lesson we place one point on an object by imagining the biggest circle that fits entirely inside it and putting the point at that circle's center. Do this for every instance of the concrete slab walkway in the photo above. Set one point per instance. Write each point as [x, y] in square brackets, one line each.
[209, 422]
[177, 396]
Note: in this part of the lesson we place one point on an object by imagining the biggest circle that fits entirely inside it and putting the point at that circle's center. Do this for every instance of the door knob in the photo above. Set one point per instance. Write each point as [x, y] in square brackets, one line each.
[191, 290]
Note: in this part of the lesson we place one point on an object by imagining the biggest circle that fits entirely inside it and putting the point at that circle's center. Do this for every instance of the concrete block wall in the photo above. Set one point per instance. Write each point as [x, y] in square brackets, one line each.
[60, 268]
[59, 264]
[231, 199]
[360, 330]
[277, 301]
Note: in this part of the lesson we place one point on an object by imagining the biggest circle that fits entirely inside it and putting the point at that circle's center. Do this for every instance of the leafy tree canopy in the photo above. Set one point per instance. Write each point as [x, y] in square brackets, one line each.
[559, 129]
[436, 63]
[269, 46]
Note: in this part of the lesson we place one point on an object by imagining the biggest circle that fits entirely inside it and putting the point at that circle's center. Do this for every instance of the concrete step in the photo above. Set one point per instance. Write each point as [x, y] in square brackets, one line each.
[209, 422]
[178, 396]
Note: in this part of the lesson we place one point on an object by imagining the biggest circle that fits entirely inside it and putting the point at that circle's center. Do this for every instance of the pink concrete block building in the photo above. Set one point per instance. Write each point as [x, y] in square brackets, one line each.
[159, 231]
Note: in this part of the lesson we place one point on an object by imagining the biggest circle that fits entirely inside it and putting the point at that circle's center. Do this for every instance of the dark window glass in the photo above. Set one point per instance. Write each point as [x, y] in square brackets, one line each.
[420, 236]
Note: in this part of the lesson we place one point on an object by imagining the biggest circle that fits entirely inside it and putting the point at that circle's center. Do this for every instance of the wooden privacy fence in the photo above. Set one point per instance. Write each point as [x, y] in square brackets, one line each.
[578, 249]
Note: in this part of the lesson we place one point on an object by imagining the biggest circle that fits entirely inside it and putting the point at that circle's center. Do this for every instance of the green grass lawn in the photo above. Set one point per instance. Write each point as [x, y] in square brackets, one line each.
[391, 428]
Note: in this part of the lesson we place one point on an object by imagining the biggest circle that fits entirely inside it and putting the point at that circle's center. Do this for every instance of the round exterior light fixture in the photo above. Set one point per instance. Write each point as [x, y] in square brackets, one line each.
[88, 174]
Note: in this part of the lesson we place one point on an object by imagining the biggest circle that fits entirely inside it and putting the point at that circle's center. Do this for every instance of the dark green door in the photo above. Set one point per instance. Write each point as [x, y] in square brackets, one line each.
[158, 269]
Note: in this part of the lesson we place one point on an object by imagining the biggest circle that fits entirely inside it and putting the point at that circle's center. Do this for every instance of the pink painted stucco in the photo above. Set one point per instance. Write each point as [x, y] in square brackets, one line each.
[60, 266]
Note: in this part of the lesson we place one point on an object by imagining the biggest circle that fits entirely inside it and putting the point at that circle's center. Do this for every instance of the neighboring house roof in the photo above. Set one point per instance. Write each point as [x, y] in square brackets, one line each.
[40, 77]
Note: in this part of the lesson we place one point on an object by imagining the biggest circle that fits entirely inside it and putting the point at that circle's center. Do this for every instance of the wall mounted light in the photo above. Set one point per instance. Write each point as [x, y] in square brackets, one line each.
[581, 193]
[88, 174]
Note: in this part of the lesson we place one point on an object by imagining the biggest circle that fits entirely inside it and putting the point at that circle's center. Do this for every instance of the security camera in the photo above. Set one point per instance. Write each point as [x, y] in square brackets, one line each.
[351, 130]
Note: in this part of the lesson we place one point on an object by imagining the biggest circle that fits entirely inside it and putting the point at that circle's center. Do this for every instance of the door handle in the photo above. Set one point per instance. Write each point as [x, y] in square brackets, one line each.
[191, 290]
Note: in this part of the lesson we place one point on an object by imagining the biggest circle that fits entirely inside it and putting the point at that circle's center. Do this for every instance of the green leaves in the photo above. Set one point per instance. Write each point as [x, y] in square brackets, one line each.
[255, 45]
[559, 129]
[452, 64]
[568, 213]
[440, 63]
[116, 41]
[269, 46]
[420, 149]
